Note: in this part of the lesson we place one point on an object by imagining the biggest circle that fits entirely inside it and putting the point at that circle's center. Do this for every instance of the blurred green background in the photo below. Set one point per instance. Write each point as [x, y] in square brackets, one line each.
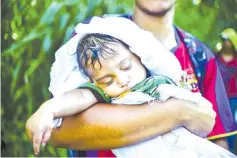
[32, 31]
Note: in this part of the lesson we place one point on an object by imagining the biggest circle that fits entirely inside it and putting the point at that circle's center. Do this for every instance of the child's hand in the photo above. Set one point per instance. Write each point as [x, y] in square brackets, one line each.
[203, 105]
[39, 127]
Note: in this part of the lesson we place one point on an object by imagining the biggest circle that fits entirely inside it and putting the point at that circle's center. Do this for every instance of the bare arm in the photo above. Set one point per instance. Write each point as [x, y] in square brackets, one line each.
[105, 126]
[69, 103]
[39, 126]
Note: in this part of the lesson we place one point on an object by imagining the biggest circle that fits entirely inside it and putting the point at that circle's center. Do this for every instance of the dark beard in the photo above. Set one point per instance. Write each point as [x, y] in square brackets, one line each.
[155, 13]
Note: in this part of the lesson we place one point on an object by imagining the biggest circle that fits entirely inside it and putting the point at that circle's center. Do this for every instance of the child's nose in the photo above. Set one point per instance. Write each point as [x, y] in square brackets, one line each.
[123, 80]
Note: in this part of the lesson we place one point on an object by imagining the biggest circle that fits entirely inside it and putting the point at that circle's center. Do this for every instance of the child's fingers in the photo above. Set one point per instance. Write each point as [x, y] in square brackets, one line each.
[46, 136]
[29, 134]
[29, 130]
[36, 142]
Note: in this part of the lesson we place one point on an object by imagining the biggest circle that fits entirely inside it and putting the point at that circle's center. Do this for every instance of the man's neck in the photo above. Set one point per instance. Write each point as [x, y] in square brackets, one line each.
[161, 27]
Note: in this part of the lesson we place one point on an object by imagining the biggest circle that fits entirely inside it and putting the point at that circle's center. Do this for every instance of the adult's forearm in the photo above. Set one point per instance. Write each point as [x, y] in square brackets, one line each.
[112, 126]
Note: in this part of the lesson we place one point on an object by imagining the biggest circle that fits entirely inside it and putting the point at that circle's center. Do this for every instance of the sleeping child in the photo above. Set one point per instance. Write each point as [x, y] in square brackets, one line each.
[116, 74]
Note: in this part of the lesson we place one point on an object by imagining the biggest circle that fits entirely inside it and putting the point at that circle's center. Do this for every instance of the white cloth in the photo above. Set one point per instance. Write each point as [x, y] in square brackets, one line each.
[179, 143]
[65, 73]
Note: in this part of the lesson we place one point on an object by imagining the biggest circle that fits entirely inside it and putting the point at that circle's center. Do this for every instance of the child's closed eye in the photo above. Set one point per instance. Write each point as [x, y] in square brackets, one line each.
[126, 65]
[106, 81]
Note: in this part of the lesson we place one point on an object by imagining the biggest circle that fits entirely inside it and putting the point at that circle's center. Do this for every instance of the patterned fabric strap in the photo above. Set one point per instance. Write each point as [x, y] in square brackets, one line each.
[98, 93]
[149, 85]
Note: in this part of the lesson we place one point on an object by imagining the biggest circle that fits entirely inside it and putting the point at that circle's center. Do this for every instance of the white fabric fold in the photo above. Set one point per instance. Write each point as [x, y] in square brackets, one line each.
[65, 74]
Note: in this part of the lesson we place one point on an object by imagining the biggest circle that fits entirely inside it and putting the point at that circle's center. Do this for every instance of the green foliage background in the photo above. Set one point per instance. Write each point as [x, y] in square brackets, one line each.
[32, 31]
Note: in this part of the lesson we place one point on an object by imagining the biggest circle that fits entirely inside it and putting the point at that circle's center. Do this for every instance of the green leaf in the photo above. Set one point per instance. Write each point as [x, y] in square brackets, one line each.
[51, 13]
[19, 93]
[47, 43]
[15, 76]
[64, 20]
[34, 64]
[32, 36]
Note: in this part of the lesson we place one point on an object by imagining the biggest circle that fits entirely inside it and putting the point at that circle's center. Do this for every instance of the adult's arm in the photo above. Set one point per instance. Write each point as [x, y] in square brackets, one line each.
[105, 126]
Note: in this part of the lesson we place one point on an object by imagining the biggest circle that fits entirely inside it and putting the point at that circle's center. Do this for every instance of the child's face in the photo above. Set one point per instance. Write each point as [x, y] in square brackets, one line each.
[119, 73]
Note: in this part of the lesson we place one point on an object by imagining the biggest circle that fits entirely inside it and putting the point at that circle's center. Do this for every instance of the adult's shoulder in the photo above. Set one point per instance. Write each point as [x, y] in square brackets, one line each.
[200, 47]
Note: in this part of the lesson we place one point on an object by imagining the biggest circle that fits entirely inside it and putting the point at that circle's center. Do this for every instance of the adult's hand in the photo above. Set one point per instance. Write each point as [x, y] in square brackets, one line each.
[200, 118]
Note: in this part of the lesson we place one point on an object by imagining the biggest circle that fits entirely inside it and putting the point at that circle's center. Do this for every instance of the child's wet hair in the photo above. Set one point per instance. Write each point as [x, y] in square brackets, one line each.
[94, 46]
